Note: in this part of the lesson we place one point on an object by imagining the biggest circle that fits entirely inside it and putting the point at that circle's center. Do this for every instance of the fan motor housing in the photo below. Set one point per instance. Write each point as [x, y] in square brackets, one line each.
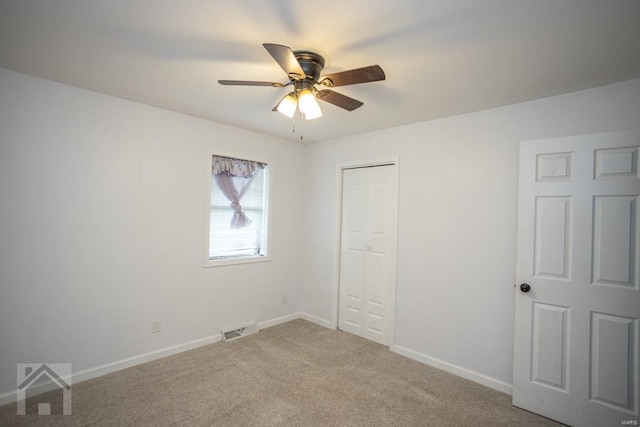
[310, 62]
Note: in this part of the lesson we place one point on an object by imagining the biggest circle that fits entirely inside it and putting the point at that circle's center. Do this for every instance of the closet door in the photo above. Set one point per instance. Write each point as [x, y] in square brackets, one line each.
[367, 251]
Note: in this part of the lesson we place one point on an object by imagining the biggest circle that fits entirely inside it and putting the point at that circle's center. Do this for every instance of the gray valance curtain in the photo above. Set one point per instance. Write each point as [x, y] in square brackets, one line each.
[234, 177]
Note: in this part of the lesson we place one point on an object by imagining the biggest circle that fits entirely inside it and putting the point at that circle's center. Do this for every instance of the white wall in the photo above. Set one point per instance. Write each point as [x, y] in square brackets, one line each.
[103, 220]
[103, 223]
[457, 221]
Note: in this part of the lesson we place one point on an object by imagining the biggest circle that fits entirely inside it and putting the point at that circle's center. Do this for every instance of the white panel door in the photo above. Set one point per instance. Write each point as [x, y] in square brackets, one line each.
[367, 257]
[576, 354]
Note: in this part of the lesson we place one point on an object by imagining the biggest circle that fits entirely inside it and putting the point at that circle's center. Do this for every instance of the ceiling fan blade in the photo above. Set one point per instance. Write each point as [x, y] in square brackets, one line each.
[338, 99]
[249, 83]
[372, 73]
[286, 59]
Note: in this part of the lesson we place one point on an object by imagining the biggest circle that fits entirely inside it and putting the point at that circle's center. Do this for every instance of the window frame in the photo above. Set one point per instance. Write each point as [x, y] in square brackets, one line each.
[245, 259]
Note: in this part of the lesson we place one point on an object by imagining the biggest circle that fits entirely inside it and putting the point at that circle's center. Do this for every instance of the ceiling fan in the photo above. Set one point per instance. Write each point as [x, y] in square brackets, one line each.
[303, 68]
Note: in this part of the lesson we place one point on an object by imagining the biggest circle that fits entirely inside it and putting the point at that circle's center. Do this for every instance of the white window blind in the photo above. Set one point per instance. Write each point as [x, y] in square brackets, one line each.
[226, 242]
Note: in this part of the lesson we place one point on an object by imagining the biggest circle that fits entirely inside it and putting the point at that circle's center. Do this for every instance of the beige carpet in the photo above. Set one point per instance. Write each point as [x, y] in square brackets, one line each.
[295, 374]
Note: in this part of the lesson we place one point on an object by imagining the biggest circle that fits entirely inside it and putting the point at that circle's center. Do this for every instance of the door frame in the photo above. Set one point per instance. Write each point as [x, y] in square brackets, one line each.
[335, 289]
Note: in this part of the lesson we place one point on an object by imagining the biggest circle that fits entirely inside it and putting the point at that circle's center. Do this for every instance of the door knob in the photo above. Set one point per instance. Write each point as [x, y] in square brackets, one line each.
[525, 288]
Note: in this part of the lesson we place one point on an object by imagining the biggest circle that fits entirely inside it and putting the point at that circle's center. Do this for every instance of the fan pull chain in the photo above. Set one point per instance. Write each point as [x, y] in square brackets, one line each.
[296, 118]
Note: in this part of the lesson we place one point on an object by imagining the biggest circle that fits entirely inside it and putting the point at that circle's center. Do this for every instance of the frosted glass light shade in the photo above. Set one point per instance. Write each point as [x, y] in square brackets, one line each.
[309, 105]
[287, 106]
[313, 113]
[307, 102]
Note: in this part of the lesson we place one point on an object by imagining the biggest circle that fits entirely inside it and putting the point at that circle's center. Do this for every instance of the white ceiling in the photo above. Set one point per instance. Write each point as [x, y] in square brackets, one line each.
[441, 57]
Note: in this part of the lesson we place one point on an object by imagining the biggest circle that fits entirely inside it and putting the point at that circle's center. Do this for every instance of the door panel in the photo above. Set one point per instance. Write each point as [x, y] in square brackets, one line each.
[613, 255]
[612, 358]
[576, 331]
[549, 339]
[353, 271]
[357, 208]
[552, 242]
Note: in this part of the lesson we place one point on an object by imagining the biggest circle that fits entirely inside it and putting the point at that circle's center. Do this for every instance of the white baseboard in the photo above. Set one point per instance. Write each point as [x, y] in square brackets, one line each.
[456, 370]
[278, 320]
[293, 316]
[143, 358]
[431, 361]
[98, 371]
[318, 321]
[109, 368]
[11, 396]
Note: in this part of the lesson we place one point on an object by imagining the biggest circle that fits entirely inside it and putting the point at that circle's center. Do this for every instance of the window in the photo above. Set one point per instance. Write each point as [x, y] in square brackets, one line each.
[238, 210]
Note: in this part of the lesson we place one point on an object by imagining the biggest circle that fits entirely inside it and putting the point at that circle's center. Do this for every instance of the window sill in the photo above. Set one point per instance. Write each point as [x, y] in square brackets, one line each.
[235, 261]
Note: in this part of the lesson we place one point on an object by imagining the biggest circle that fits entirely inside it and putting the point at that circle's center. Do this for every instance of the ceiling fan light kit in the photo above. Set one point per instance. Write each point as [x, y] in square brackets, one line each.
[288, 105]
[303, 69]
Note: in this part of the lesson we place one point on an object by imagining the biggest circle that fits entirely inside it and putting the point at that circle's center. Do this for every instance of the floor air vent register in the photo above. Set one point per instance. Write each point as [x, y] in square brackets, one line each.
[230, 334]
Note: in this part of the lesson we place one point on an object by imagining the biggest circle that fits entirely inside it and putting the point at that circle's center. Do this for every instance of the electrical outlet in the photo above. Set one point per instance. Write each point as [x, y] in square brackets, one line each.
[285, 298]
[155, 326]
